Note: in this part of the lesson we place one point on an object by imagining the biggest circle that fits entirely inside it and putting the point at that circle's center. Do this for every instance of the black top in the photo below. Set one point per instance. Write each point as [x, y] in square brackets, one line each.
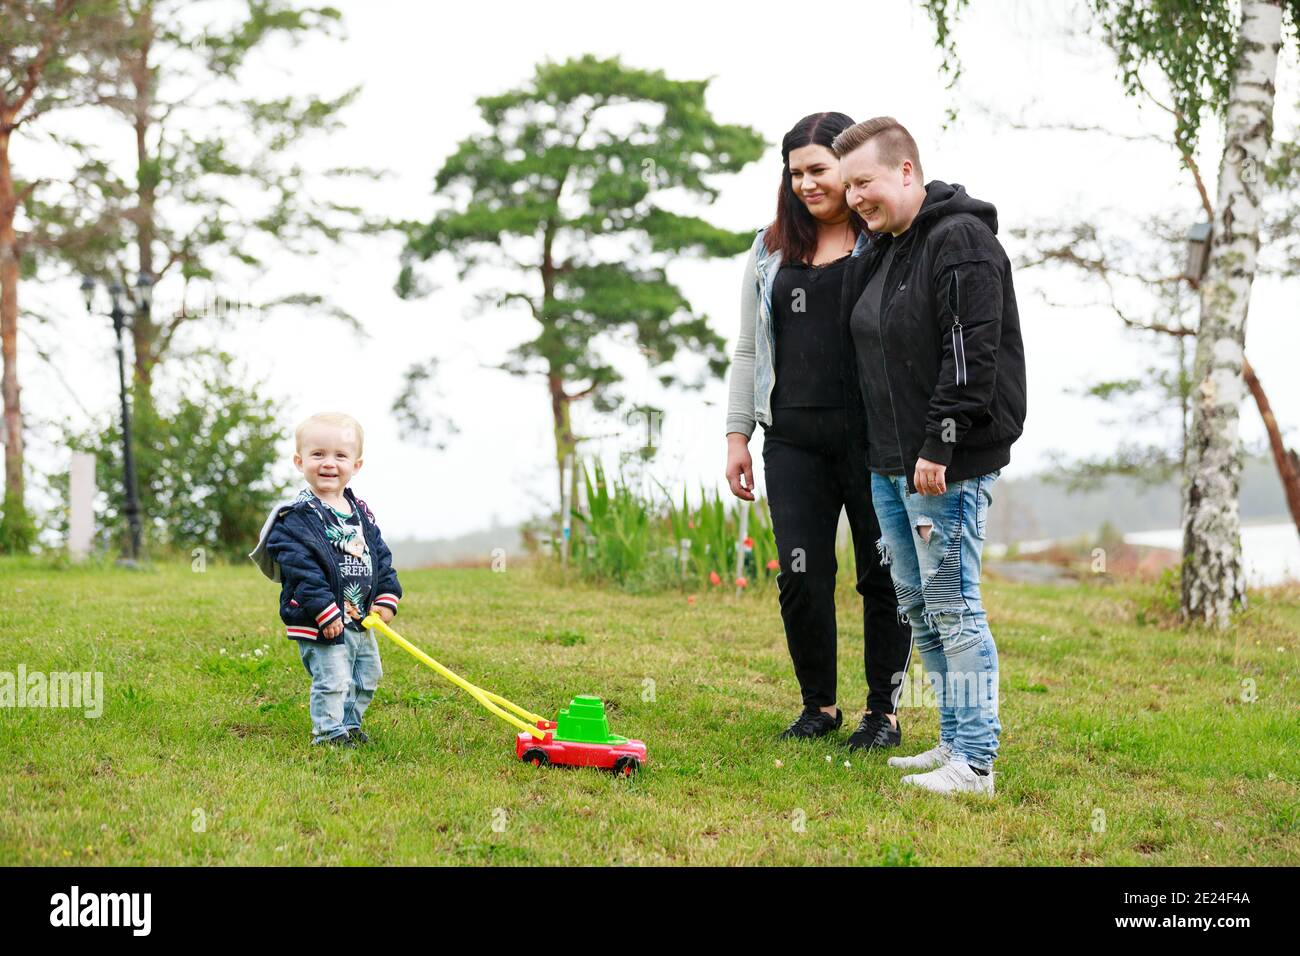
[809, 341]
[883, 454]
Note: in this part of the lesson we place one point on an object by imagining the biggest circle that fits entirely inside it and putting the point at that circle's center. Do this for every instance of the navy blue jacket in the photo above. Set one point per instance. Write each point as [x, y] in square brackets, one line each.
[311, 588]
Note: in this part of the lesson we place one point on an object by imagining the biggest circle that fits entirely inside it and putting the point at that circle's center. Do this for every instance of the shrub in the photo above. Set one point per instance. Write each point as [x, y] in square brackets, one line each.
[204, 464]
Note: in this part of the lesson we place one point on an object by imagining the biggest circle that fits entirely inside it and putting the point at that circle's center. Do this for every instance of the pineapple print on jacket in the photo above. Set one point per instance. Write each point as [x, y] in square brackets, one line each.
[345, 534]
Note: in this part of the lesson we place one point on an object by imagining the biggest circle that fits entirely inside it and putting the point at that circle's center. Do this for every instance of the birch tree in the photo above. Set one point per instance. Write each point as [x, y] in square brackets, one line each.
[1217, 57]
[1144, 284]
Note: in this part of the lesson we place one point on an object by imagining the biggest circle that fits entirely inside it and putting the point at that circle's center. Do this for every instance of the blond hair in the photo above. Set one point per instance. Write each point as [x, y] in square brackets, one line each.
[895, 143]
[350, 426]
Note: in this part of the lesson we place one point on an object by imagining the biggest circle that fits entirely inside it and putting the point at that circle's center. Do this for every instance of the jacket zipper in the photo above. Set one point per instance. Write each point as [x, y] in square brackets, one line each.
[958, 343]
[336, 583]
[884, 364]
[374, 554]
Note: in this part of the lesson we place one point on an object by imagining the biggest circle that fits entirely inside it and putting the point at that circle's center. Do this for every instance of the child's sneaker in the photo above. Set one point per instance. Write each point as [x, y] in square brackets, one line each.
[934, 757]
[956, 776]
[341, 740]
[358, 735]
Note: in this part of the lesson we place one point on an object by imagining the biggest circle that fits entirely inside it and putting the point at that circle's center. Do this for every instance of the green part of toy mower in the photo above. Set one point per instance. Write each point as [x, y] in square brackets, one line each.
[584, 722]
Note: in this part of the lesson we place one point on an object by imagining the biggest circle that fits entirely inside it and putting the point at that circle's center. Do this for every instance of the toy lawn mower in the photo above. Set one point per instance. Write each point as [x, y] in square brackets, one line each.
[579, 738]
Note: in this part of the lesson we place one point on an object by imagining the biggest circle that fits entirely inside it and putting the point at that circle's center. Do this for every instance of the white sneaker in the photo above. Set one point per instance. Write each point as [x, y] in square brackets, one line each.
[955, 776]
[934, 757]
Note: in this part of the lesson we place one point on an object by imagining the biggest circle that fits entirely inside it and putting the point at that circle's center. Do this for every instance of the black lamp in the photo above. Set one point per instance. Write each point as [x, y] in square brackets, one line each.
[117, 313]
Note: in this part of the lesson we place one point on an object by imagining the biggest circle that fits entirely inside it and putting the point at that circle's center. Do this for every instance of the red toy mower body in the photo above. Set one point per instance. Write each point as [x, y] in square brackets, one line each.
[624, 758]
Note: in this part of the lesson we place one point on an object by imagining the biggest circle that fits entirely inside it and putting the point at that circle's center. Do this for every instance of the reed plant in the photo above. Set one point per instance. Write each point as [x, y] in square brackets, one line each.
[647, 541]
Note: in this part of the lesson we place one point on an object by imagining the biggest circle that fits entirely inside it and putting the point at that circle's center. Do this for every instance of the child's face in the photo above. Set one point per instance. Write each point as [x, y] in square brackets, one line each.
[328, 458]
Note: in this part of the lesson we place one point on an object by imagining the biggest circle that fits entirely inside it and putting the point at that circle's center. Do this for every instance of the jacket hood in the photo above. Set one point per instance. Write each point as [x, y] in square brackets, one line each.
[265, 563]
[304, 499]
[944, 199]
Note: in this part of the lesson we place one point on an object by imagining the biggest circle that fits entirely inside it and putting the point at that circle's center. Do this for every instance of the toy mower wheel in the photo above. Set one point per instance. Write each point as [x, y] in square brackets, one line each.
[535, 756]
[626, 766]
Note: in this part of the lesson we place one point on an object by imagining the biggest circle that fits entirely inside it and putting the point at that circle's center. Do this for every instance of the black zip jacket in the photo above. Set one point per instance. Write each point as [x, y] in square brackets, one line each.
[950, 349]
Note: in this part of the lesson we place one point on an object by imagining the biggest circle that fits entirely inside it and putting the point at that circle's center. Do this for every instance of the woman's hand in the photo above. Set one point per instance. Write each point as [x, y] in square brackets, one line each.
[740, 467]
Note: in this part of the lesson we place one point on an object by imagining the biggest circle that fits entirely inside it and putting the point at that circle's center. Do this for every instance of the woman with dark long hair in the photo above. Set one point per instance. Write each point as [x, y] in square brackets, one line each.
[794, 373]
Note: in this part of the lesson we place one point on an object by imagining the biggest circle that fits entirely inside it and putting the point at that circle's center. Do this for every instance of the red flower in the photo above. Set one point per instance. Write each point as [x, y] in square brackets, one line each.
[742, 582]
[713, 578]
[774, 565]
[749, 543]
[690, 599]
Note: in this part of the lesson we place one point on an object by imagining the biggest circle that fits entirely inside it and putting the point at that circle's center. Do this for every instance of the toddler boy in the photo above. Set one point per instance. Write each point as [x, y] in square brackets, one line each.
[330, 559]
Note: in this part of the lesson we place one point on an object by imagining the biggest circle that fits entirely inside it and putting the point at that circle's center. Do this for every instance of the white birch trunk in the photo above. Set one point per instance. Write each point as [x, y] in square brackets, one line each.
[1212, 582]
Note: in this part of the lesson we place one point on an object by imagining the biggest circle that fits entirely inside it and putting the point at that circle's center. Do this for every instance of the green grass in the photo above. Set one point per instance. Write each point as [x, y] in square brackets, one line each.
[1141, 723]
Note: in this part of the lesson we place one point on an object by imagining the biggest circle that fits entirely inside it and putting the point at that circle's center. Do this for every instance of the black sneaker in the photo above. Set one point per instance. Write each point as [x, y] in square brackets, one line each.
[813, 722]
[875, 732]
[358, 735]
[341, 740]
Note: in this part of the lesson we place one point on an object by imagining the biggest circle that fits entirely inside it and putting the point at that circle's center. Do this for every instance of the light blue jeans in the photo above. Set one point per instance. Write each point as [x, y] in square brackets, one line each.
[344, 677]
[933, 546]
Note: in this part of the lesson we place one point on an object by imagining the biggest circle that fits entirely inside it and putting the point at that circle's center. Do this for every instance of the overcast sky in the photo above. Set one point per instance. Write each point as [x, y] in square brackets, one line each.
[422, 66]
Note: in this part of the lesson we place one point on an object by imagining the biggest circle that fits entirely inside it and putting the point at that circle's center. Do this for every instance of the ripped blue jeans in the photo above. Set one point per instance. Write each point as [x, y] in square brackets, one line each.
[933, 546]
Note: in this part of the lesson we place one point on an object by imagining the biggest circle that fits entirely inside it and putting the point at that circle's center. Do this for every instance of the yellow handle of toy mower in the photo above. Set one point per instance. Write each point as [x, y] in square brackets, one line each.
[489, 700]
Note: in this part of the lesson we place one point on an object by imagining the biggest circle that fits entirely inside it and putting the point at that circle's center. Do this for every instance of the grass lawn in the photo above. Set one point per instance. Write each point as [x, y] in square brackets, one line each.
[1126, 740]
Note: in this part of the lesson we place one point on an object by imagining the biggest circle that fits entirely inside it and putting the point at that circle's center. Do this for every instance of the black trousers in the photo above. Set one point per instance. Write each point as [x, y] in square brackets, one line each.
[815, 463]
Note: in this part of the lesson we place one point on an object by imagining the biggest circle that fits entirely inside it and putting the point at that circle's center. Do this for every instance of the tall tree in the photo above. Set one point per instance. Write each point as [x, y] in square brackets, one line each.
[575, 163]
[218, 187]
[1220, 57]
[46, 62]
[1211, 58]
[219, 180]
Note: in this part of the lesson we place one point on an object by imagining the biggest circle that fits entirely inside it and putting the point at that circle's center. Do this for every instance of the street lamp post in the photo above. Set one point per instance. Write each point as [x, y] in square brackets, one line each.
[118, 314]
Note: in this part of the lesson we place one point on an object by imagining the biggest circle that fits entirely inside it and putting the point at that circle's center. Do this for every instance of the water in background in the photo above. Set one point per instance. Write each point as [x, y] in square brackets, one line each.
[1270, 552]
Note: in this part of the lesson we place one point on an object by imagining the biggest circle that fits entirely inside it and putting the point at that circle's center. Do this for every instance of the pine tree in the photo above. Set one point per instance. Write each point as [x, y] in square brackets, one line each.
[572, 162]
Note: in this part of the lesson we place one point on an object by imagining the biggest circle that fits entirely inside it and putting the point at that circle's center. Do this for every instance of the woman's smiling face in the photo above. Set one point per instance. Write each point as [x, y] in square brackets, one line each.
[815, 179]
